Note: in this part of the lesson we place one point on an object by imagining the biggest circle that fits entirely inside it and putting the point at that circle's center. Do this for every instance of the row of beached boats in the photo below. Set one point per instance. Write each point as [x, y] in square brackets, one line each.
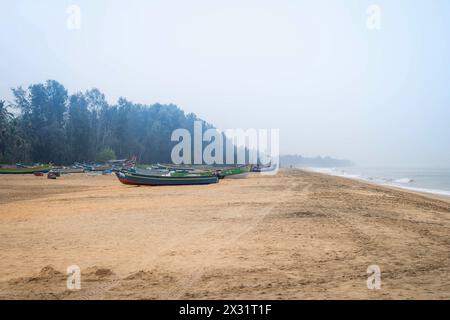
[181, 175]
[112, 165]
[128, 173]
[21, 169]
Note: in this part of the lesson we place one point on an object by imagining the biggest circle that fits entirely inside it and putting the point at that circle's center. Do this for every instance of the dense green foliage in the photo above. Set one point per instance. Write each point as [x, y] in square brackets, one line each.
[105, 155]
[49, 125]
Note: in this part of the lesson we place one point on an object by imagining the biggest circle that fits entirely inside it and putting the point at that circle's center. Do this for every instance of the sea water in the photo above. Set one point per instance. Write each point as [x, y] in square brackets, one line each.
[431, 180]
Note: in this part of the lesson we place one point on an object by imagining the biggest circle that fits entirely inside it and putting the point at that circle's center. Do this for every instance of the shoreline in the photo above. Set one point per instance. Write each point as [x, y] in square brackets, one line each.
[439, 194]
[429, 195]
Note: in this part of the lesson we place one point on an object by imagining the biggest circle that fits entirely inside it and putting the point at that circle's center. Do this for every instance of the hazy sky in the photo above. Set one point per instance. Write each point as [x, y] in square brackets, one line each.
[313, 68]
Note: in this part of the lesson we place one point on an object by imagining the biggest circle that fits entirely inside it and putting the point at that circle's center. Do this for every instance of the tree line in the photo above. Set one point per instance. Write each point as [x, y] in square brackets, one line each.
[44, 124]
[319, 162]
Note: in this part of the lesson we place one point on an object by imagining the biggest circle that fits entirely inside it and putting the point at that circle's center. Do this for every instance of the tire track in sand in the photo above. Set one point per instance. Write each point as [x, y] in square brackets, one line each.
[181, 288]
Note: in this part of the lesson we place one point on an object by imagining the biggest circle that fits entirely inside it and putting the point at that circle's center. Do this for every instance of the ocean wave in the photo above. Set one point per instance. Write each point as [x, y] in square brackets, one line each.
[403, 180]
[399, 183]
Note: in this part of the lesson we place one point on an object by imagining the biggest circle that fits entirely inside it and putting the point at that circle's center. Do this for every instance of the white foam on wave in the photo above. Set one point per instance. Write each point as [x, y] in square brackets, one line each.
[399, 183]
[403, 180]
[336, 172]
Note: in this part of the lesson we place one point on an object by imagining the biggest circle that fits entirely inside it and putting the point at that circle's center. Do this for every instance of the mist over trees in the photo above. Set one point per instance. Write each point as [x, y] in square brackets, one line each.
[325, 162]
[45, 124]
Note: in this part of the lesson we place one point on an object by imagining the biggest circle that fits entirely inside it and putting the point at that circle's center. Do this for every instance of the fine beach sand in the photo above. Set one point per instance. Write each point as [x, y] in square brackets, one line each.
[296, 235]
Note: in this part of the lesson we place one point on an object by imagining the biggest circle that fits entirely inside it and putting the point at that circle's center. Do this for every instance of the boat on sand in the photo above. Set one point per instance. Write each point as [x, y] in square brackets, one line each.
[25, 170]
[133, 178]
[222, 171]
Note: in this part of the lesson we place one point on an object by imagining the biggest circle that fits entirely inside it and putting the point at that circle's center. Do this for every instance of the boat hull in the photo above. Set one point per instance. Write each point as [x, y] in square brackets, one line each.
[240, 172]
[24, 170]
[140, 179]
[238, 176]
[223, 171]
[94, 169]
[69, 170]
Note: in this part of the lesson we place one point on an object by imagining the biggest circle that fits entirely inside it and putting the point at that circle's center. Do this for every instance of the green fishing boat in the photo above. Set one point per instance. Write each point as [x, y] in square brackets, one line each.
[26, 170]
[133, 178]
[238, 172]
[222, 171]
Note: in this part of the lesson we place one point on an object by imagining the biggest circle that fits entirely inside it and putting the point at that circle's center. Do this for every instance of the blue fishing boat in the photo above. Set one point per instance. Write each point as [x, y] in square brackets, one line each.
[133, 178]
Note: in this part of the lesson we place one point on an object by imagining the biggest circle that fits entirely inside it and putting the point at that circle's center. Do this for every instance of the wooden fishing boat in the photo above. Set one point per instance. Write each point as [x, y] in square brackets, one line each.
[222, 171]
[174, 167]
[238, 172]
[133, 178]
[66, 170]
[264, 168]
[112, 165]
[30, 170]
[96, 167]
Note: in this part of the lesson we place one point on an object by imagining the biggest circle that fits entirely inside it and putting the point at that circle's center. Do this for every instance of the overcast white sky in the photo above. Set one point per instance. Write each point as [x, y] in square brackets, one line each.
[310, 68]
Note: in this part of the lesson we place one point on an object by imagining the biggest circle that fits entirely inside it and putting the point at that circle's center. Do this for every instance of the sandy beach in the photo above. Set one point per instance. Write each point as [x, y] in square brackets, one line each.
[296, 235]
